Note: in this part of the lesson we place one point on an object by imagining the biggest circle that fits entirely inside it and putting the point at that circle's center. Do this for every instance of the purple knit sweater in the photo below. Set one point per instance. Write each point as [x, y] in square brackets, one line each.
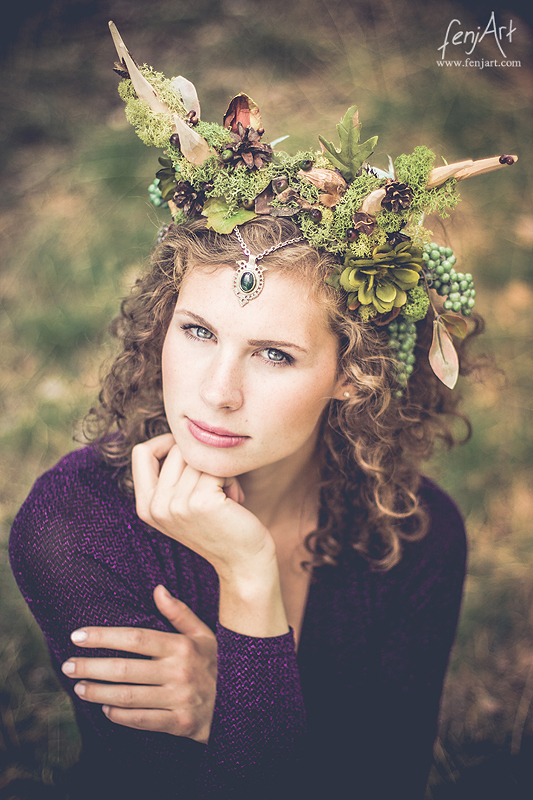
[352, 715]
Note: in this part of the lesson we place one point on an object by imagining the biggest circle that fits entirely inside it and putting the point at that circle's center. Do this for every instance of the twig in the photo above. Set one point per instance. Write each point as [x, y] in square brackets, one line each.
[522, 712]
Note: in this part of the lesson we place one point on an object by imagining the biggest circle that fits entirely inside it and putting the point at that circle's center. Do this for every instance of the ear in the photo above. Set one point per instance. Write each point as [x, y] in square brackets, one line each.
[343, 390]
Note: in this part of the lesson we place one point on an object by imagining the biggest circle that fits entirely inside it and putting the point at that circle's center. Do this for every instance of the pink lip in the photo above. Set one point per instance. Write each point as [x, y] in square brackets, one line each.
[216, 437]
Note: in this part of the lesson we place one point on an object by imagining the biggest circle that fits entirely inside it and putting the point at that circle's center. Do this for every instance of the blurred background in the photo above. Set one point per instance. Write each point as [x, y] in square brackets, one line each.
[76, 227]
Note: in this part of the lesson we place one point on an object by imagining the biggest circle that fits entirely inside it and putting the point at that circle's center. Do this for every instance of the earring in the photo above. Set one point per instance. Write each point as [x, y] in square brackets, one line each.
[346, 394]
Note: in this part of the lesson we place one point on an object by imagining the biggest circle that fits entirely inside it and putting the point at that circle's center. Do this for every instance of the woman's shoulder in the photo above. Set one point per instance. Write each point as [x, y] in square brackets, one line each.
[75, 495]
[446, 535]
[437, 500]
[81, 471]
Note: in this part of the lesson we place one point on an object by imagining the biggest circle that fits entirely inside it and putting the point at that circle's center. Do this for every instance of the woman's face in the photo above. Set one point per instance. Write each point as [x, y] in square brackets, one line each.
[245, 387]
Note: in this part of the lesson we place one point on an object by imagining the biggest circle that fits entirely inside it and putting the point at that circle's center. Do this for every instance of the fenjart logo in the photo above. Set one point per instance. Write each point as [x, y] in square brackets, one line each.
[466, 38]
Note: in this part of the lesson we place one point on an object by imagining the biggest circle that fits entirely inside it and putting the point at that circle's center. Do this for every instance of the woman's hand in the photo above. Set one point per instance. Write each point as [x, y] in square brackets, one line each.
[199, 510]
[206, 514]
[174, 692]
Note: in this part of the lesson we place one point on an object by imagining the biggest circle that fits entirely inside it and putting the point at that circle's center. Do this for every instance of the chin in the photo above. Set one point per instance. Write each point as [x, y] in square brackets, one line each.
[222, 463]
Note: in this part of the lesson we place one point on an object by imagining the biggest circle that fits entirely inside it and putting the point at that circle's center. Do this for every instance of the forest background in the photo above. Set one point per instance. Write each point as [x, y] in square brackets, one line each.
[76, 226]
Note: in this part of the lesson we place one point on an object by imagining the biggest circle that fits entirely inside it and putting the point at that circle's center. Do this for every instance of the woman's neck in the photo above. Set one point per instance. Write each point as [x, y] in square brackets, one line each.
[281, 493]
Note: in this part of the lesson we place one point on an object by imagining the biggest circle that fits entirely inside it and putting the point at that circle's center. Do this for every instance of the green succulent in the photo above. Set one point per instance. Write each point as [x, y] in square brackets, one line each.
[384, 279]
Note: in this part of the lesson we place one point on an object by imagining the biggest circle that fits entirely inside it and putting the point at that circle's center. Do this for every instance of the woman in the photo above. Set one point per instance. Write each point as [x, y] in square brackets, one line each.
[281, 432]
[246, 586]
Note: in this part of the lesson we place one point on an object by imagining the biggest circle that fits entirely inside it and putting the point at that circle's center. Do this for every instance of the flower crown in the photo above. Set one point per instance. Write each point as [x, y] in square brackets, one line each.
[389, 270]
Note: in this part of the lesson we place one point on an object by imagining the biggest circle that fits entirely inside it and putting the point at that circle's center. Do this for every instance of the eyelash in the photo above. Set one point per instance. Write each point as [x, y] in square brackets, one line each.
[188, 327]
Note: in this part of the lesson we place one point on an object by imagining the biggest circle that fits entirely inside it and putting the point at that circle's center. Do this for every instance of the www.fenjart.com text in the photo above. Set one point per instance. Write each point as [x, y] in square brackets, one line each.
[478, 63]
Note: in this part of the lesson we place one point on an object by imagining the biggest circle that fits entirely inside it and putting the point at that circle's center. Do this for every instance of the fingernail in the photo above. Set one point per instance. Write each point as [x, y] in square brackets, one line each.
[78, 636]
[105, 709]
[80, 689]
[167, 593]
[68, 667]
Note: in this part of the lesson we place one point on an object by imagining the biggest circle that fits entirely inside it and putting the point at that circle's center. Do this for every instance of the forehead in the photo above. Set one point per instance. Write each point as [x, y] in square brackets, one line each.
[286, 302]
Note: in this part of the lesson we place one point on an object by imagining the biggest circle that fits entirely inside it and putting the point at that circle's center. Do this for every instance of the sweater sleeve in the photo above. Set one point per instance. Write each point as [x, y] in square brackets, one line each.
[259, 721]
[79, 561]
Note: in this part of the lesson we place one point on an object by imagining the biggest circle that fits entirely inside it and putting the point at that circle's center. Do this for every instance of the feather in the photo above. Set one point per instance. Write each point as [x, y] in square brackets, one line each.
[188, 94]
[192, 145]
[144, 90]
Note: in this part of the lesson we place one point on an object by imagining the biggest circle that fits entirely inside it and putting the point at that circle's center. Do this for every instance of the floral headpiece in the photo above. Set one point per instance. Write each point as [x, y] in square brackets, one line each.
[389, 270]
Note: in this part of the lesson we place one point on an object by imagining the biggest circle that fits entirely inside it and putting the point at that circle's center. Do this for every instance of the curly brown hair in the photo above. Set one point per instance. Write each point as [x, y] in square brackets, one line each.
[371, 445]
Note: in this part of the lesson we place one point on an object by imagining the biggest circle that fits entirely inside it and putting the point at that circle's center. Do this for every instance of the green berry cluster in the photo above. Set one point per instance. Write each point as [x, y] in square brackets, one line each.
[456, 287]
[402, 341]
[154, 193]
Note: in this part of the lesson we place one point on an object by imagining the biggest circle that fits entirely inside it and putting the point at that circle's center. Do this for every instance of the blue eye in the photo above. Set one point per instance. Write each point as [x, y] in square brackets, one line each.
[197, 332]
[275, 357]
[203, 333]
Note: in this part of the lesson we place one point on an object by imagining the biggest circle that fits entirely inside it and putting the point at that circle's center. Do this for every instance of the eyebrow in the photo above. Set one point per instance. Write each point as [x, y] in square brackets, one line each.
[264, 343]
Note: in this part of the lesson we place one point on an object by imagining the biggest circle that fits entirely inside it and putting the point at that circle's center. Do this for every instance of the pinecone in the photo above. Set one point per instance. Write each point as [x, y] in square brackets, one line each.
[187, 198]
[248, 151]
[398, 196]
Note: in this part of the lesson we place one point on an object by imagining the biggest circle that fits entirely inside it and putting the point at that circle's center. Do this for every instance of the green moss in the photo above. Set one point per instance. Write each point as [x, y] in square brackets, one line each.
[417, 304]
[366, 313]
[164, 89]
[414, 169]
[390, 221]
[152, 129]
[358, 190]
[319, 234]
[364, 245]
[215, 135]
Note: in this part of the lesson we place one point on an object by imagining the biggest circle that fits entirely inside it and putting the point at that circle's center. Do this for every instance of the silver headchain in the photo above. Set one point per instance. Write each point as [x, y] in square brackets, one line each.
[248, 280]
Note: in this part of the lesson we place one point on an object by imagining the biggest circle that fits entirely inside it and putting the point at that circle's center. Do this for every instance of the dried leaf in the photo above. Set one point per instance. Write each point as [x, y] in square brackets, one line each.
[329, 181]
[244, 110]
[216, 209]
[455, 325]
[443, 356]
[145, 90]
[192, 145]
[262, 201]
[188, 94]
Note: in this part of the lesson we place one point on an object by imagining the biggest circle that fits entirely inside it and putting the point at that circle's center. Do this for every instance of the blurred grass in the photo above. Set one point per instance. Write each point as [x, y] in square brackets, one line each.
[76, 226]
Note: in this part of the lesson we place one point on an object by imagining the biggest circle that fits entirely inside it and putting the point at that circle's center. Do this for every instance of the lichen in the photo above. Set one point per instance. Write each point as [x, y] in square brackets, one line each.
[215, 135]
[152, 129]
[366, 313]
[414, 169]
[164, 88]
[417, 304]
[391, 221]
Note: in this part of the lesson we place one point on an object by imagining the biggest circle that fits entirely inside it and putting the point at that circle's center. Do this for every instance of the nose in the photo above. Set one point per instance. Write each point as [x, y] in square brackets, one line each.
[222, 387]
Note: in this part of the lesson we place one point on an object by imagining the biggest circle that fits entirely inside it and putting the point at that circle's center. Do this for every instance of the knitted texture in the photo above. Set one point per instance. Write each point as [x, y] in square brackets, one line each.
[353, 714]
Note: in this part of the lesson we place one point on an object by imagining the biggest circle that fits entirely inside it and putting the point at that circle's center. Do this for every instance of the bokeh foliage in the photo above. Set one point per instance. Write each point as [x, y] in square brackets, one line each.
[76, 226]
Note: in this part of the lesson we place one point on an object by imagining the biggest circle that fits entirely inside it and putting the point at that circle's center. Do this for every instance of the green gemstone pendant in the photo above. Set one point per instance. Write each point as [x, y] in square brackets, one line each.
[248, 280]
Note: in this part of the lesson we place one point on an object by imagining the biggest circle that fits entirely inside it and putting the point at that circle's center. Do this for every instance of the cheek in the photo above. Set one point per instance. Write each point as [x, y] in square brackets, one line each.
[173, 373]
[297, 412]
